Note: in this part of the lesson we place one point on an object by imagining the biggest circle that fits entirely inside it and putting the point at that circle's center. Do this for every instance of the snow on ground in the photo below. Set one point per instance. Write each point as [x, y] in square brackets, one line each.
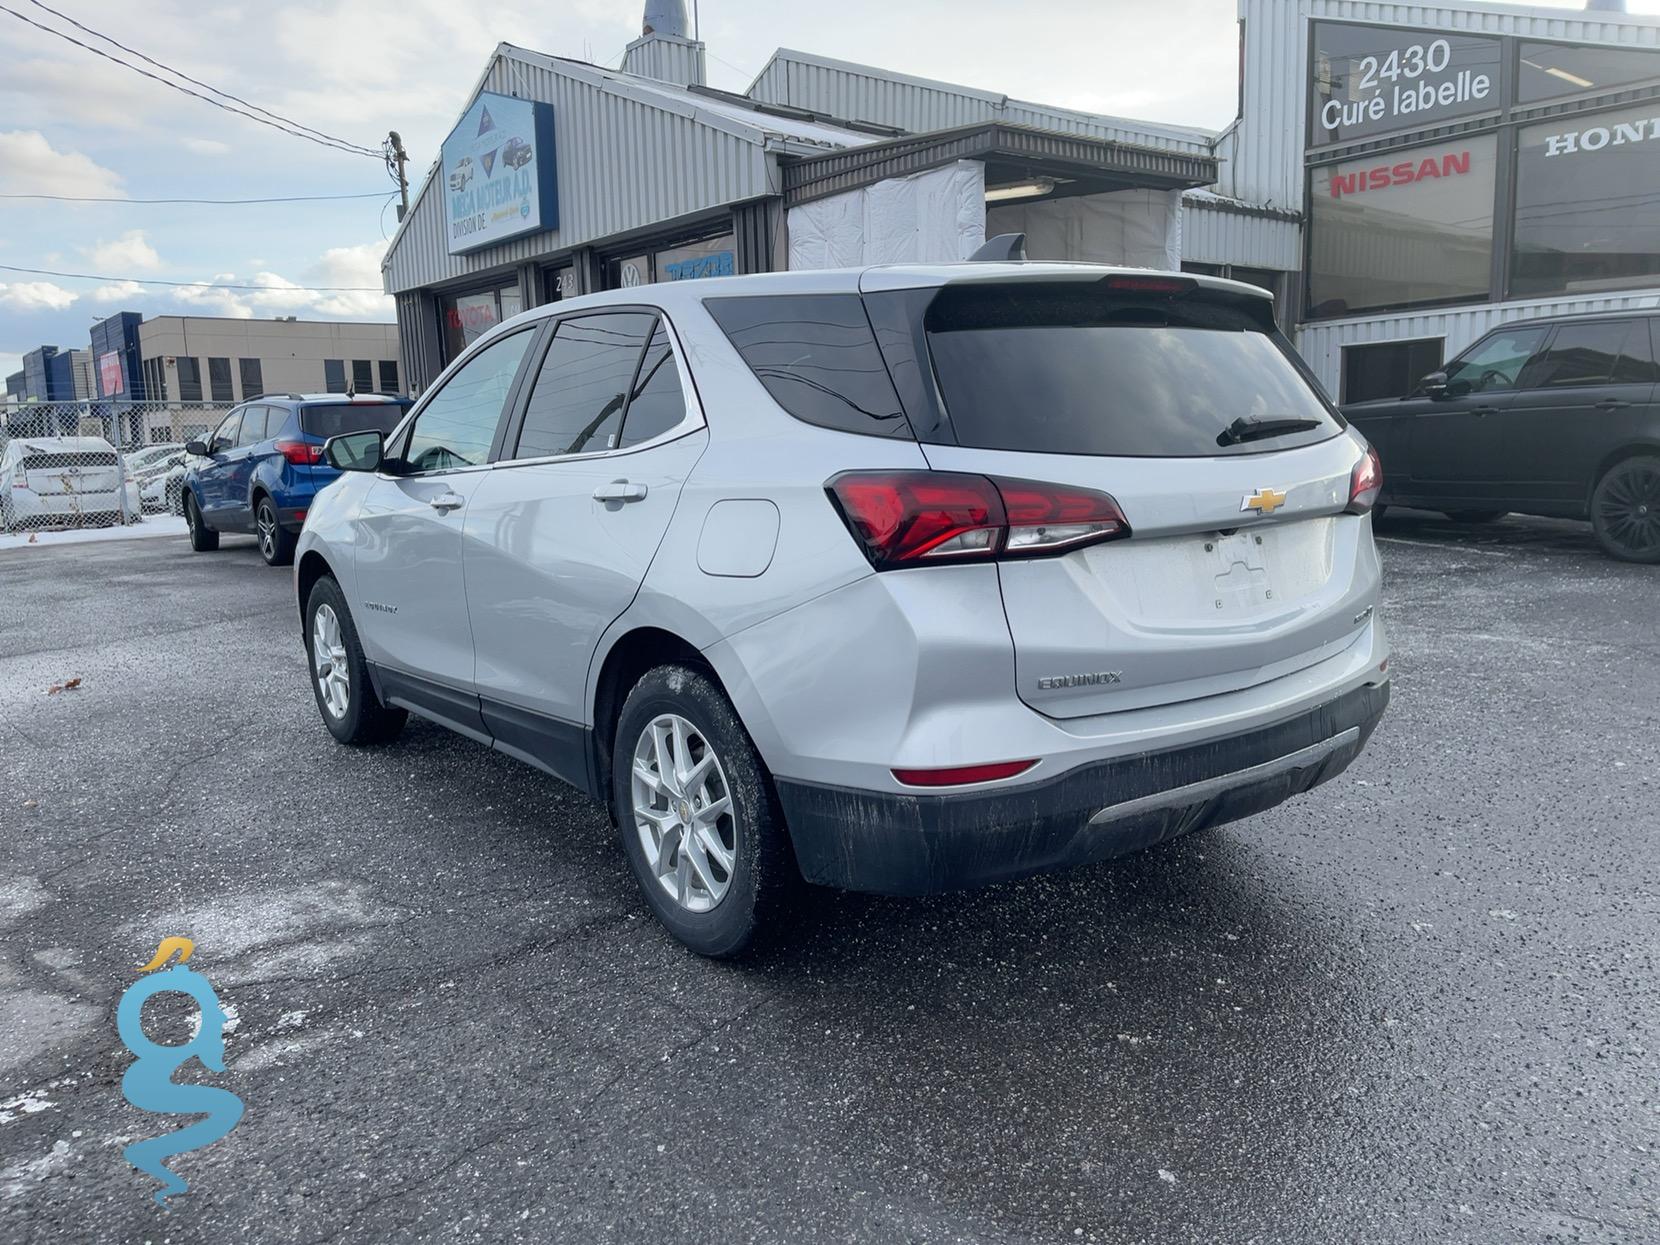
[153, 525]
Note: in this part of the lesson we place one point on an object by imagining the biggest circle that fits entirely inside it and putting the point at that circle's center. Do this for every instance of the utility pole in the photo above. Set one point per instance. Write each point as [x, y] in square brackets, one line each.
[396, 158]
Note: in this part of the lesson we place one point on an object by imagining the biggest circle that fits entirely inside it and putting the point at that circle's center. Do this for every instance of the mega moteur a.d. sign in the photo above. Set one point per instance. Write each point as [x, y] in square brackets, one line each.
[497, 173]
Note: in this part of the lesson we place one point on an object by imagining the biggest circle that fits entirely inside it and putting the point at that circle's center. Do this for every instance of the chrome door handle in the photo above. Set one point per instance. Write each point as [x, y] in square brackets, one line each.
[620, 490]
[1612, 404]
[446, 502]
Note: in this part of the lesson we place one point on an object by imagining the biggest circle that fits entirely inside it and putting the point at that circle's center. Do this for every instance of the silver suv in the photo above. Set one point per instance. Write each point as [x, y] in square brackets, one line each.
[901, 579]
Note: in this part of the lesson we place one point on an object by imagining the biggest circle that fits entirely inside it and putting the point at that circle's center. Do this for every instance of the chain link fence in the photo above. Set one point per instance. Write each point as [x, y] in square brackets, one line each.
[95, 464]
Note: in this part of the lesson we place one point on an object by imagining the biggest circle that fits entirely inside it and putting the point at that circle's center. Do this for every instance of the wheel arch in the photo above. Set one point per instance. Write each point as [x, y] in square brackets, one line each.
[632, 654]
[311, 567]
[1632, 449]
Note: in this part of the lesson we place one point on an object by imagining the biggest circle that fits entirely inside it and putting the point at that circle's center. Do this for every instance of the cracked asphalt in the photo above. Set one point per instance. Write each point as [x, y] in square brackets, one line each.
[1417, 1004]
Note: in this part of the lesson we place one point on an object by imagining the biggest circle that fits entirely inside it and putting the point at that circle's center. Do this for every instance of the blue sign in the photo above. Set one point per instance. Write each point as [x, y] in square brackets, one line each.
[497, 173]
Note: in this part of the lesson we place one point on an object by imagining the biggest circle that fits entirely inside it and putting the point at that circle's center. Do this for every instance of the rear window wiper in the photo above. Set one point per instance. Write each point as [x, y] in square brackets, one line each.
[1243, 429]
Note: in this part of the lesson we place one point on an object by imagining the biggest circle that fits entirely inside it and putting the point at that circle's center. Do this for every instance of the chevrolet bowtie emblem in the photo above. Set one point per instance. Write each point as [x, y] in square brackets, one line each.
[1263, 501]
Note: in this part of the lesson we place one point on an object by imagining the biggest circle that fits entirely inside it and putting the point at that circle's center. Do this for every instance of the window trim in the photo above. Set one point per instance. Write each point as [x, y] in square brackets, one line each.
[693, 420]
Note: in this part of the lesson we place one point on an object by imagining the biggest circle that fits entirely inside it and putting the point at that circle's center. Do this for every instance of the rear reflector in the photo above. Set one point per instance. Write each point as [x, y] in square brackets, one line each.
[300, 453]
[910, 518]
[1365, 482]
[961, 774]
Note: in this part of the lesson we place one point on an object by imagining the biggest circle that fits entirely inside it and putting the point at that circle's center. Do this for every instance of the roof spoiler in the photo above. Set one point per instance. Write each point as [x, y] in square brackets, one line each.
[1003, 247]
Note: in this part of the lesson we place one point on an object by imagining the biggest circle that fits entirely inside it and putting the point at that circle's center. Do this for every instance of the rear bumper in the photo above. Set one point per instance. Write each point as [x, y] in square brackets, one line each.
[907, 844]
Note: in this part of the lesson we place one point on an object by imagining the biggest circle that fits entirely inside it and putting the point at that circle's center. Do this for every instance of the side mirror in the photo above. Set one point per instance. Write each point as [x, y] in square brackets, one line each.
[1434, 385]
[197, 448]
[355, 451]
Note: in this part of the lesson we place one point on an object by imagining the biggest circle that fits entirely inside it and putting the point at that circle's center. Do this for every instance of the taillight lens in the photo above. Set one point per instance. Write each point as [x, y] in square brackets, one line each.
[1365, 482]
[910, 518]
[300, 453]
[960, 774]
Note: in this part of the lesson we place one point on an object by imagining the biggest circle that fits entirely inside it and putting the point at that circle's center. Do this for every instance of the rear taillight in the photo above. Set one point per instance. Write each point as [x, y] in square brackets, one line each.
[300, 453]
[20, 478]
[1365, 482]
[910, 518]
[958, 775]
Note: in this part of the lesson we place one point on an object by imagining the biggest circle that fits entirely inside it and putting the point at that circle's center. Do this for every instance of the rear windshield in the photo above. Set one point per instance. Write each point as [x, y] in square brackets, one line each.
[49, 462]
[333, 419]
[1070, 370]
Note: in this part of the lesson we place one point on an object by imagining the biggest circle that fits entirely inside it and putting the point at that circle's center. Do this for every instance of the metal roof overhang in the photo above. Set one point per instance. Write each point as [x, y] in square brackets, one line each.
[1011, 153]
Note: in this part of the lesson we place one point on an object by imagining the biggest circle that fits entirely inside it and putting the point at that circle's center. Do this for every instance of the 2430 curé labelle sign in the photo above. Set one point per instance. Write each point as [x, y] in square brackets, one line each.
[1369, 80]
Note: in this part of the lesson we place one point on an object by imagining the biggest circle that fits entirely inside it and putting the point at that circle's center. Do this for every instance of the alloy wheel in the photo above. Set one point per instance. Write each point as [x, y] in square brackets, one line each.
[683, 813]
[328, 658]
[1628, 510]
[266, 522]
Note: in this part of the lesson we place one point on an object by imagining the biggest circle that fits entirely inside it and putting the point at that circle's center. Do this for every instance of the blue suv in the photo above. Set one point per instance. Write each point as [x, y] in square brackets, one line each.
[263, 465]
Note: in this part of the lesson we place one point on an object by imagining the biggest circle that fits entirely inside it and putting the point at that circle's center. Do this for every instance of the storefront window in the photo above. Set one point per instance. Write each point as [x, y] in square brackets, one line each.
[1369, 80]
[1556, 70]
[1587, 203]
[467, 317]
[709, 257]
[1413, 226]
[1388, 369]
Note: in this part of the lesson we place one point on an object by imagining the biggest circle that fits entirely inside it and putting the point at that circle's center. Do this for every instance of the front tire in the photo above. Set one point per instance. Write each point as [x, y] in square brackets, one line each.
[276, 544]
[203, 539]
[697, 814]
[340, 673]
[1625, 510]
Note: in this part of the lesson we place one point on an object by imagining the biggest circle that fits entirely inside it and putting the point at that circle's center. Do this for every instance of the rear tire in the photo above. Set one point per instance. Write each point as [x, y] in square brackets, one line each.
[697, 814]
[1625, 511]
[340, 676]
[276, 544]
[1475, 516]
[203, 539]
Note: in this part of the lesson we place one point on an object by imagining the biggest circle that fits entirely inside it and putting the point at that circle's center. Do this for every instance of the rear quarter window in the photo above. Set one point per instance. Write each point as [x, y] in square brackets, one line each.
[334, 419]
[1082, 370]
[817, 357]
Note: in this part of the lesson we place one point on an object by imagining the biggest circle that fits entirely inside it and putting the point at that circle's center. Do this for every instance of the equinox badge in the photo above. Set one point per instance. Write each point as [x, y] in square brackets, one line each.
[1263, 501]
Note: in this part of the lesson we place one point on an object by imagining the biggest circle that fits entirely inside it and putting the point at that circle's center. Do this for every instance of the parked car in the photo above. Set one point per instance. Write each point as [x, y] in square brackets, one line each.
[264, 464]
[723, 557]
[149, 468]
[517, 153]
[52, 481]
[1556, 416]
[462, 175]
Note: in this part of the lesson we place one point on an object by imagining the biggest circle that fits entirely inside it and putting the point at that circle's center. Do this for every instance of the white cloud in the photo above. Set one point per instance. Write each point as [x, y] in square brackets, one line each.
[29, 165]
[206, 146]
[117, 292]
[34, 296]
[352, 266]
[129, 251]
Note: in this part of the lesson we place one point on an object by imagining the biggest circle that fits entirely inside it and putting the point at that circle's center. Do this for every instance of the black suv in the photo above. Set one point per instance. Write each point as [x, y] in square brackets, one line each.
[1554, 417]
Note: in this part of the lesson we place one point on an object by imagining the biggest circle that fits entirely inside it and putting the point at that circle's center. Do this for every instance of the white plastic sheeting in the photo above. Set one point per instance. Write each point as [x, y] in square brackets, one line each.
[1136, 228]
[928, 218]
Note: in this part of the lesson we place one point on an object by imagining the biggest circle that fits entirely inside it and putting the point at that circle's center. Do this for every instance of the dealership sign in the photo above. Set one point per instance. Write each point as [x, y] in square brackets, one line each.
[1370, 80]
[1596, 137]
[497, 173]
[1401, 173]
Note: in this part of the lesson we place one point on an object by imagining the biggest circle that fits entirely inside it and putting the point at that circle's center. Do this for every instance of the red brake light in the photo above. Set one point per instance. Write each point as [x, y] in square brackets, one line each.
[300, 453]
[906, 518]
[1365, 482]
[1151, 284]
[960, 774]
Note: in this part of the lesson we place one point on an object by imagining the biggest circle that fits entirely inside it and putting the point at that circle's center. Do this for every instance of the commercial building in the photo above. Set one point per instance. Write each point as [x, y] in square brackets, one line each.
[211, 359]
[1402, 176]
[52, 375]
[116, 362]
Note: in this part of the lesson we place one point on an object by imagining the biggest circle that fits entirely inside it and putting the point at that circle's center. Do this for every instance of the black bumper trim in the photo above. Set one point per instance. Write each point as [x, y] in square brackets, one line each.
[903, 844]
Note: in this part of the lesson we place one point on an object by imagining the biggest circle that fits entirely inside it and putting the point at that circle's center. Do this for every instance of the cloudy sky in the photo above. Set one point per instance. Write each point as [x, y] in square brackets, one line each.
[72, 123]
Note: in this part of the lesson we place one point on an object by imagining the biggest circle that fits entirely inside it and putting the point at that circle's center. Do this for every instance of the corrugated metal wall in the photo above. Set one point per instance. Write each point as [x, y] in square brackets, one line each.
[665, 58]
[623, 164]
[859, 93]
[1322, 343]
[1212, 235]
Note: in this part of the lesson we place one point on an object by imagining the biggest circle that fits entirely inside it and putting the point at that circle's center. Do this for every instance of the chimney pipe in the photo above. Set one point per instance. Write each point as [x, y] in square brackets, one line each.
[665, 17]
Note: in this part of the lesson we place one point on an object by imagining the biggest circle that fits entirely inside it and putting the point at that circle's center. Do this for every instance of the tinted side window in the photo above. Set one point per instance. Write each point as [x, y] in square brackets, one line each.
[1495, 361]
[456, 427]
[658, 402]
[253, 426]
[817, 357]
[582, 387]
[1579, 354]
[1636, 364]
[225, 435]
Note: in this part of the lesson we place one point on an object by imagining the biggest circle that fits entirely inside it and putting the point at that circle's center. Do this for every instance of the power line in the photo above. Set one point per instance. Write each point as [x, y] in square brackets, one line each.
[202, 285]
[374, 194]
[98, 34]
[334, 144]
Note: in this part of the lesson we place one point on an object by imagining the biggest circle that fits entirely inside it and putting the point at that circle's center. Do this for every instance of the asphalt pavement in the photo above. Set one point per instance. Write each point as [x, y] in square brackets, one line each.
[1416, 1004]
